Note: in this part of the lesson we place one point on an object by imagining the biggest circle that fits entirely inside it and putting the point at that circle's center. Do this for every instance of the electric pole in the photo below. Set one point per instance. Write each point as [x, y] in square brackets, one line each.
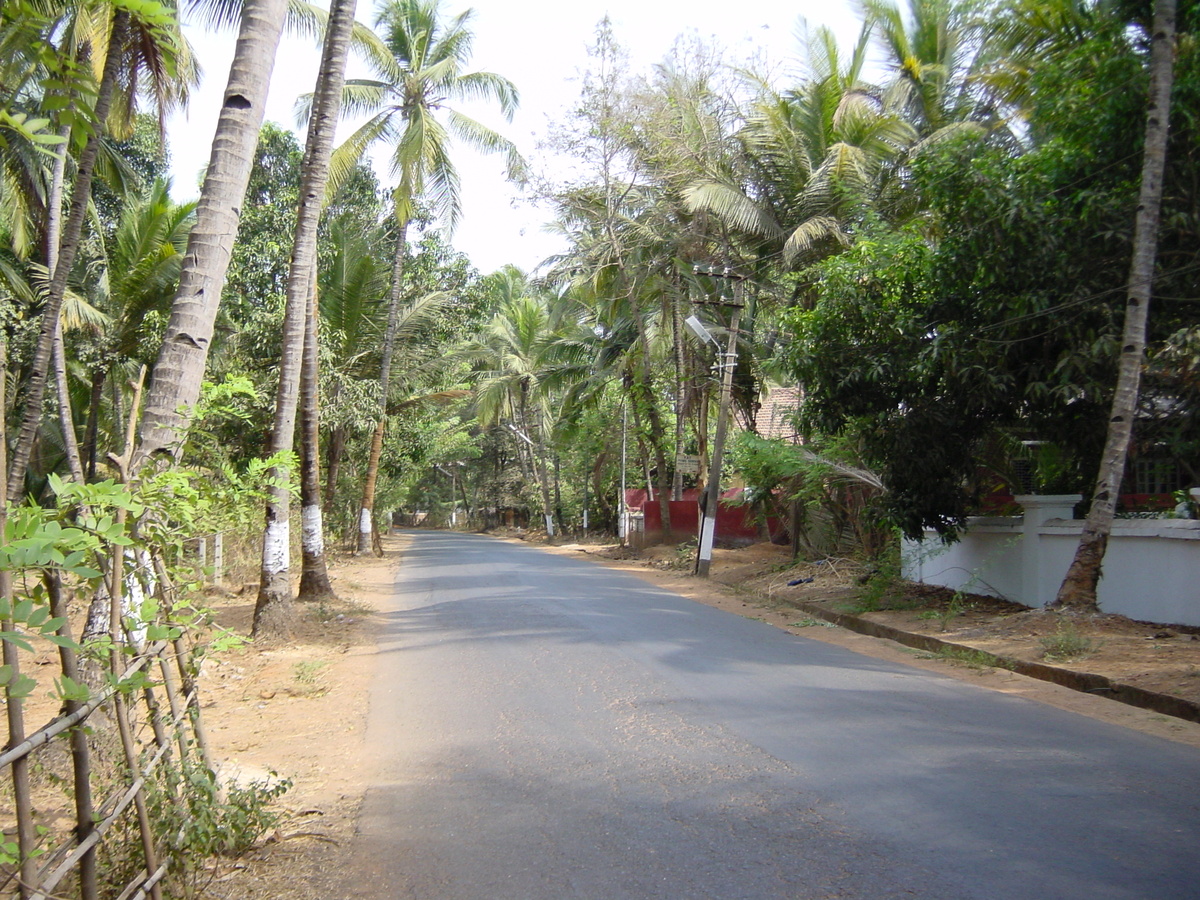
[712, 490]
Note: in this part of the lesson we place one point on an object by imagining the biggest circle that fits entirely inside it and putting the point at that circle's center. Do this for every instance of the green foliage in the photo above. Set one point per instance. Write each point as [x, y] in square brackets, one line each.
[875, 366]
[882, 582]
[77, 537]
[10, 853]
[35, 131]
[258, 270]
[1067, 643]
[765, 464]
[946, 613]
[197, 819]
[964, 656]
[201, 820]
[143, 159]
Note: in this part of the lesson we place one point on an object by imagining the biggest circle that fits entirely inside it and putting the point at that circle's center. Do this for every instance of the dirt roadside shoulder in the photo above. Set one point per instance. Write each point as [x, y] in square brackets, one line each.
[299, 712]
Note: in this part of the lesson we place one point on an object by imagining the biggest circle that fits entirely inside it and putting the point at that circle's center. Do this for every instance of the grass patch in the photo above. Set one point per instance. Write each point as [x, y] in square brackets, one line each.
[309, 676]
[891, 598]
[1067, 644]
[945, 614]
[684, 558]
[810, 623]
[964, 656]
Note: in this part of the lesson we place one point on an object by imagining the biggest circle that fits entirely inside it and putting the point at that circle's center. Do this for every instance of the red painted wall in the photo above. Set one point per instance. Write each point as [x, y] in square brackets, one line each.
[734, 522]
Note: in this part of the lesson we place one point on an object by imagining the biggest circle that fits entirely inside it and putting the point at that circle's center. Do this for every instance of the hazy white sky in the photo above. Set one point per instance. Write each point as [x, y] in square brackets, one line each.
[540, 45]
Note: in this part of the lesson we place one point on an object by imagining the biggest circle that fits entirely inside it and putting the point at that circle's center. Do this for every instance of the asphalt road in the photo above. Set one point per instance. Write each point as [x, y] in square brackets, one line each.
[545, 728]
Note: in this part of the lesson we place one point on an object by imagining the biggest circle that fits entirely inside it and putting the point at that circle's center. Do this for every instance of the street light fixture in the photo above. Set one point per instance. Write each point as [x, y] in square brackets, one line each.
[697, 328]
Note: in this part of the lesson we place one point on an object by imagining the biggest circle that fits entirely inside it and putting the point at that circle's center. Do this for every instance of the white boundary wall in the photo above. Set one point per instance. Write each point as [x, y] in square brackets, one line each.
[1151, 569]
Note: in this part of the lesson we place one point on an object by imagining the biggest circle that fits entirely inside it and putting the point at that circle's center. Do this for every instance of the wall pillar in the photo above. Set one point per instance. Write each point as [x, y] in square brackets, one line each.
[1036, 589]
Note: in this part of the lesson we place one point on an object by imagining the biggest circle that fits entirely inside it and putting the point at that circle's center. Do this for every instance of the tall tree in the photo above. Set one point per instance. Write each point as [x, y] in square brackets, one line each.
[135, 51]
[408, 102]
[272, 611]
[69, 246]
[816, 156]
[1078, 589]
[931, 46]
[512, 391]
[177, 375]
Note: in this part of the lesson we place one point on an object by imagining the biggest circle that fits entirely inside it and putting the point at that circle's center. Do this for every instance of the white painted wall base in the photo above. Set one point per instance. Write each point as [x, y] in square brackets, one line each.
[1151, 570]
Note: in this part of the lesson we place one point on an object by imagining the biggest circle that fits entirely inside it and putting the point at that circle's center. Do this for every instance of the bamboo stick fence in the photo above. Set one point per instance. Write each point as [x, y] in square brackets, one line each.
[136, 693]
[150, 701]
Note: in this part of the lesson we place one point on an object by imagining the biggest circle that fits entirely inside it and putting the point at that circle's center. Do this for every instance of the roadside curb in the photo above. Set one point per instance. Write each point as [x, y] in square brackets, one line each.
[1084, 682]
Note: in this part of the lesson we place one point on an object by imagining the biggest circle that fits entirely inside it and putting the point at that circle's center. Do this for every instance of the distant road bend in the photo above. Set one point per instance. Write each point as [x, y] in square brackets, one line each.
[547, 729]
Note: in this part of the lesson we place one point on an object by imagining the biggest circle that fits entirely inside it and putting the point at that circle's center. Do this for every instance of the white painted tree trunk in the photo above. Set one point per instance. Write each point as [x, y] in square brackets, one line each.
[273, 612]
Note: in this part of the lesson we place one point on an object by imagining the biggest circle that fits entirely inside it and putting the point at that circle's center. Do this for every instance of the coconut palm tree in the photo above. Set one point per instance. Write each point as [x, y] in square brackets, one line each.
[408, 103]
[28, 142]
[134, 51]
[817, 156]
[933, 48]
[272, 611]
[352, 305]
[68, 248]
[140, 274]
[512, 356]
[176, 377]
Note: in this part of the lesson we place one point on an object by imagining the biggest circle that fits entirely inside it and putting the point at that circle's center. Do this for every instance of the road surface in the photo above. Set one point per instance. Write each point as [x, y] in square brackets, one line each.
[545, 728]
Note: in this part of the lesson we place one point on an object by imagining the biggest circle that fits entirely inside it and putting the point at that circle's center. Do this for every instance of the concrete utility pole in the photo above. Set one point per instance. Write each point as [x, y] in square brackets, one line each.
[623, 512]
[712, 490]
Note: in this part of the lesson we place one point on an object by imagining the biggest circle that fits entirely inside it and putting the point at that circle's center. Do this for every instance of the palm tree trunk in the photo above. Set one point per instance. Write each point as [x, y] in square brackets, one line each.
[333, 465]
[366, 516]
[314, 575]
[66, 420]
[656, 437]
[537, 460]
[273, 612]
[597, 475]
[91, 435]
[175, 382]
[675, 301]
[1078, 589]
[543, 476]
[118, 406]
[81, 194]
[58, 360]
[644, 386]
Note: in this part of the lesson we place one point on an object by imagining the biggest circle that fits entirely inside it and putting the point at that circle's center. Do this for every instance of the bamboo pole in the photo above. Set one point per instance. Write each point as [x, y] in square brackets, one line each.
[184, 654]
[117, 634]
[57, 726]
[50, 882]
[80, 752]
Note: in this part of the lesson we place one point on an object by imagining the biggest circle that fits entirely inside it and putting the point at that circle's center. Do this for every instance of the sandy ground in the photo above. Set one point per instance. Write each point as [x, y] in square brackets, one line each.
[300, 711]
